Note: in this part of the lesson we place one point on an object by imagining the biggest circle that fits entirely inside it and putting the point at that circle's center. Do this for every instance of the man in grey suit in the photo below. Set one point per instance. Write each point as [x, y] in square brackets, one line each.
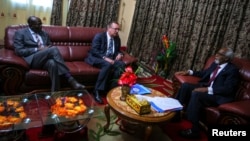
[33, 44]
[105, 54]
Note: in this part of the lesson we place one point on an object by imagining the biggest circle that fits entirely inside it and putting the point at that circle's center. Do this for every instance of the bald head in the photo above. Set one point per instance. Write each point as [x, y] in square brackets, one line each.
[35, 23]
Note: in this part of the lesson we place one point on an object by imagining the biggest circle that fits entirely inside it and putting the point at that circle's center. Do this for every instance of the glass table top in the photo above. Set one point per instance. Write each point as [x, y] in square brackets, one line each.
[61, 108]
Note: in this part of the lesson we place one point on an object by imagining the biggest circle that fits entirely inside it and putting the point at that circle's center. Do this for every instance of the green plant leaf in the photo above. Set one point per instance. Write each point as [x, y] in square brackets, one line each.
[100, 128]
[113, 133]
[92, 134]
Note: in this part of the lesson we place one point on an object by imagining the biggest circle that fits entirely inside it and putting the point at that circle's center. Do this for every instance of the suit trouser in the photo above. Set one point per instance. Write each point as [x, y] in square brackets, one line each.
[106, 69]
[51, 60]
[195, 102]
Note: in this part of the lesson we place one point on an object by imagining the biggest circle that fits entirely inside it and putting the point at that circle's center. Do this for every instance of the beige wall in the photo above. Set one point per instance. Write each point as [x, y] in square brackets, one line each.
[65, 10]
[127, 8]
[125, 17]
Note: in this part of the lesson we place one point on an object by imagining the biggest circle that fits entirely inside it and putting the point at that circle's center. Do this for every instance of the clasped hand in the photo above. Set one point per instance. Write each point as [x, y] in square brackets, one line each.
[44, 47]
[117, 58]
[201, 89]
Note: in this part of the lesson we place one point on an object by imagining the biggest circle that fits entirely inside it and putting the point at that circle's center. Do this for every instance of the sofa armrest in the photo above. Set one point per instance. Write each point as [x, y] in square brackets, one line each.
[128, 59]
[238, 108]
[186, 79]
[179, 79]
[211, 115]
[8, 57]
[12, 71]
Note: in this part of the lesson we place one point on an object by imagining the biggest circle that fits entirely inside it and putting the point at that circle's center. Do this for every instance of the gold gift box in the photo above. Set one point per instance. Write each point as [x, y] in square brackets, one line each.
[140, 106]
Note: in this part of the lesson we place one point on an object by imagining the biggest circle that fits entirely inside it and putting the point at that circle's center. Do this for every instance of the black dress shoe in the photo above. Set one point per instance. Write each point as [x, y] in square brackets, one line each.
[97, 97]
[75, 84]
[189, 133]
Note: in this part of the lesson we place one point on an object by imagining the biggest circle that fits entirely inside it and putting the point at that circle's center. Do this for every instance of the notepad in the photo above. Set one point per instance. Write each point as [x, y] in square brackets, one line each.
[162, 104]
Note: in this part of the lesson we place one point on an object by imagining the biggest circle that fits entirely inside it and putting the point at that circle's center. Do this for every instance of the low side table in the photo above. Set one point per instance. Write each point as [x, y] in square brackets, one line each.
[125, 112]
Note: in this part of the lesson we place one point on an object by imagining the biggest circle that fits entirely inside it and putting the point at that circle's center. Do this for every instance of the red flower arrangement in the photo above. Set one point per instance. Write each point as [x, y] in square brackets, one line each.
[165, 57]
[128, 77]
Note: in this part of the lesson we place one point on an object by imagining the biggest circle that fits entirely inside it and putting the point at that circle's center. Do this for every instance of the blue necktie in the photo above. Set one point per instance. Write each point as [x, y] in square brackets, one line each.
[110, 48]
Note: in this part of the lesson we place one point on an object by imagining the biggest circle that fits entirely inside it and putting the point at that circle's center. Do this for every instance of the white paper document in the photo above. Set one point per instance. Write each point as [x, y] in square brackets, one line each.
[162, 104]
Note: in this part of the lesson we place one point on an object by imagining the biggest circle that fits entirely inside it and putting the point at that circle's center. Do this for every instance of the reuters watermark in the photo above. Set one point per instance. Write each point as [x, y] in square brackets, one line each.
[241, 132]
[217, 132]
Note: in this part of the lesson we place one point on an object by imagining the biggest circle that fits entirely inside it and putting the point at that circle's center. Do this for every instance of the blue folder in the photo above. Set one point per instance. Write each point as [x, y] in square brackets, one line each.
[139, 89]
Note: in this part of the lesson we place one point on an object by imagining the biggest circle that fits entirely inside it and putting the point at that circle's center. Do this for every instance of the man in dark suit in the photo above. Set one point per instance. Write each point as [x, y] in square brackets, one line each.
[33, 44]
[214, 88]
[105, 54]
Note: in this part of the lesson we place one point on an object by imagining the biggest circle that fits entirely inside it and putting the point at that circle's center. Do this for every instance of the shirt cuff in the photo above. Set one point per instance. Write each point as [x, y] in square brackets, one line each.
[210, 90]
[190, 72]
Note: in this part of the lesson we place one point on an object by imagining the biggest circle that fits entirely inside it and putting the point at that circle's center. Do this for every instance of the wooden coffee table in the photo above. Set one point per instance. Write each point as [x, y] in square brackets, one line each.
[125, 112]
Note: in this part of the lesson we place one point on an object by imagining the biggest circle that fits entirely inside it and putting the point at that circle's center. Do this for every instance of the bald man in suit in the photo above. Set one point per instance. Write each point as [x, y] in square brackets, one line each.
[210, 91]
[33, 44]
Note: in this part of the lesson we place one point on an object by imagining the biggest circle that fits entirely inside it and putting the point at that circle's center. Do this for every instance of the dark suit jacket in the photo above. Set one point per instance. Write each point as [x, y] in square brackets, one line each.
[225, 83]
[25, 45]
[99, 47]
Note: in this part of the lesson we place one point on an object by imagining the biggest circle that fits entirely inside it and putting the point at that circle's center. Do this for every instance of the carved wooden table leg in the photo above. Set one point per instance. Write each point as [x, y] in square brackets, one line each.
[148, 131]
[107, 114]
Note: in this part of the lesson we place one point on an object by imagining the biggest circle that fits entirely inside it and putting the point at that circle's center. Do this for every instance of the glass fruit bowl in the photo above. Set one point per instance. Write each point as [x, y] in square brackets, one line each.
[12, 111]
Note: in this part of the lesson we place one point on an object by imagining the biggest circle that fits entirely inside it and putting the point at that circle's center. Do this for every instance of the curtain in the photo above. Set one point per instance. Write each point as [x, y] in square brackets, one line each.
[198, 27]
[92, 13]
[57, 12]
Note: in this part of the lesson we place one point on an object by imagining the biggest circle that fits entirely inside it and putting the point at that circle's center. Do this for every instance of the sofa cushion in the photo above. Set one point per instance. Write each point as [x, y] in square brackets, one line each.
[74, 53]
[77, 68]
[81, 68]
